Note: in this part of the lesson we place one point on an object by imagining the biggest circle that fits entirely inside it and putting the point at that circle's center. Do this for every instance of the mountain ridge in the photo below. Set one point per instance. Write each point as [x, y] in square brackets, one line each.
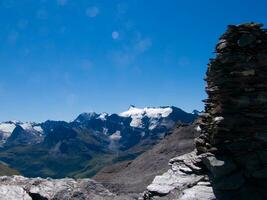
[86, 144]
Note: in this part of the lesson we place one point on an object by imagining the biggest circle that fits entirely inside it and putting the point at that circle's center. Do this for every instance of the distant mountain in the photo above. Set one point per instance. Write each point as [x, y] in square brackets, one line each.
[82, 147]
[20, 133]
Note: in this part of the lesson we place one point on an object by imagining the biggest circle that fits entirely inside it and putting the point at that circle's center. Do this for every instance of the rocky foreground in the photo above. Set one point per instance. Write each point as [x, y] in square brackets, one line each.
[21, 188]
[185, 180]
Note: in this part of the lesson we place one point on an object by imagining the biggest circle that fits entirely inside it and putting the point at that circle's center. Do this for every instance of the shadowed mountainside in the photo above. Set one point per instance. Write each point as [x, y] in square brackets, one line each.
[134, 176]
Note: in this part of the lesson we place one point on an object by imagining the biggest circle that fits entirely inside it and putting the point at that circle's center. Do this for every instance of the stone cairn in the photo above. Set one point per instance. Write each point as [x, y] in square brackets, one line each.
[234, 125]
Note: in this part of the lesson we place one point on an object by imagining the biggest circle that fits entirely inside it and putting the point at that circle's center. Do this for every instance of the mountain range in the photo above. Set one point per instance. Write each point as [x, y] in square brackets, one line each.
[82, 147]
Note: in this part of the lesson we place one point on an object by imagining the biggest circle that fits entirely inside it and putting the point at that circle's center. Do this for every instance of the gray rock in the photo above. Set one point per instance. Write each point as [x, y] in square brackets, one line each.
[181, 175]
[18, 187]
[173, 180]
[189, 160]
[198, 192]
[13, 192]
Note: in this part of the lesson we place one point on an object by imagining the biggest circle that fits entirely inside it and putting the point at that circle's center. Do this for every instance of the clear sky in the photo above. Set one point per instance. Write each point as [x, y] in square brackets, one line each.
[59, 58]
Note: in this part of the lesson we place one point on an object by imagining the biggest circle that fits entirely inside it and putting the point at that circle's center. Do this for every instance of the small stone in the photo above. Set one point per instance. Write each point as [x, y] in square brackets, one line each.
[198, 192]
[221, 46]
[218, 119]
[13, 192]
[199, 142]
[204, 183]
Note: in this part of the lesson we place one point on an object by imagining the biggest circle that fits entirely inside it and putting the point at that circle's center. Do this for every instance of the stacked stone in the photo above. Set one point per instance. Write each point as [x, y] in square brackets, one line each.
[231, 151]
[232, 146]
[234, 124]
[236, 108]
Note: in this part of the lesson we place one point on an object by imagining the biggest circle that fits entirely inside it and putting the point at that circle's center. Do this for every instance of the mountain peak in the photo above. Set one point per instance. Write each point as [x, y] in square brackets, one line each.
[86, 116]
[103, 116]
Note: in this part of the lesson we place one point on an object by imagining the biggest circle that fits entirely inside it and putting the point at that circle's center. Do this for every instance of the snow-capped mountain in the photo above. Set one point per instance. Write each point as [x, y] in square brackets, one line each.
[138, 114]
[14, 129]
[6, 130]
[54, 143]
[134, 122]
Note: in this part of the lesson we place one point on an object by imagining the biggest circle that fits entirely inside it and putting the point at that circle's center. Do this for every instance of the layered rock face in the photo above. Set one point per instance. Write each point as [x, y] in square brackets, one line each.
[234, 125]
[230, 160]
[236, 108]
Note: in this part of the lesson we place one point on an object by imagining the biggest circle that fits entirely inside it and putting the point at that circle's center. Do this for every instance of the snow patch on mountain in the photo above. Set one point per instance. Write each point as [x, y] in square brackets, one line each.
[85, 117]
[38, 129]
[136, 122]
[153, 124]
[105, 131]
[7, 127]
[26, 126]
[6, 130]
[103, 116]
[115, 136]
[137, 114]
[147, 111]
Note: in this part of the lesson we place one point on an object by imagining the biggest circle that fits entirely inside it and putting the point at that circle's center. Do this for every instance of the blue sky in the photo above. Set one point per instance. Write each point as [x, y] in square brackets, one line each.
[63, 57]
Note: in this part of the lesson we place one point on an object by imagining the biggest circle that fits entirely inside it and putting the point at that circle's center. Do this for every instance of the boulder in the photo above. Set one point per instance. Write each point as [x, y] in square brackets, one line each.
[13, 192]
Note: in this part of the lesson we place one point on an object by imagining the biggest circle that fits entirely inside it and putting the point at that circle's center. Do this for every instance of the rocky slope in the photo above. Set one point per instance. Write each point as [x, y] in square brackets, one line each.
[21, 188]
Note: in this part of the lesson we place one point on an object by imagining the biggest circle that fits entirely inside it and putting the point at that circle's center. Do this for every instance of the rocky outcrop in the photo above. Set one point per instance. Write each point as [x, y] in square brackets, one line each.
[184, 180]
[21, 188]
[235, 119]
[234, 125]
[231, 151]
